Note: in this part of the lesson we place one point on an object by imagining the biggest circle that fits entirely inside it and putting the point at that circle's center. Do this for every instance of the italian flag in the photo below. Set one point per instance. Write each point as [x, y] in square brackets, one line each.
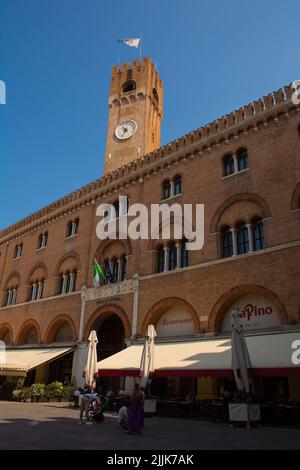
[98, 276]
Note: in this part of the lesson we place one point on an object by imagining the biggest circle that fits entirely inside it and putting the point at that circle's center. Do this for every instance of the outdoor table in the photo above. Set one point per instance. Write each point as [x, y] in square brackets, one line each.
[150, 407]
[244, 412]
[175, 408]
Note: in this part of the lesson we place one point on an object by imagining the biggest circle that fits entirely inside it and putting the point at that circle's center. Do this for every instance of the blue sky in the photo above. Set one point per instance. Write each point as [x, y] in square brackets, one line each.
[56, 58]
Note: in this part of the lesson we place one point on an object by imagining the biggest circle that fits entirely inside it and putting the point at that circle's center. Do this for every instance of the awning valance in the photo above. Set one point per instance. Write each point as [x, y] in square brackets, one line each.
[271, 354]
[18, 361]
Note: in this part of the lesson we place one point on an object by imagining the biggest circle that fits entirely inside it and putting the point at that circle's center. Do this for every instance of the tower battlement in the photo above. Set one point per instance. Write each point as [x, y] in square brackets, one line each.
[139, 71]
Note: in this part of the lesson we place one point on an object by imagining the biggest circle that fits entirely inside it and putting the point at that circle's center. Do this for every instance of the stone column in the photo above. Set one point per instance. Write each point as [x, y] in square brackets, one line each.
[178, 249]
[235, 162]
[234, 244]
[9, 297]
[120, 264]
[166, 261]
[135, 304]
[82, 312]
[14, 297]
[64, 285]
[39, 290]
[171, 188]
[73, 229]
[250, 237]
[33, 292]
[79, 362]
[72, 279]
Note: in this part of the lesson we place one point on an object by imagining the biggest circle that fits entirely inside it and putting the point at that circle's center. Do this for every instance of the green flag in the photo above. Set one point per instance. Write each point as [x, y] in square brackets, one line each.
[99, 276]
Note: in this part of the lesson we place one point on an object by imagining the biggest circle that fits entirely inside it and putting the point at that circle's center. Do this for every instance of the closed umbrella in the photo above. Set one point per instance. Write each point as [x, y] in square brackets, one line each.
[240, 358]
[91, 369]
[147, 360]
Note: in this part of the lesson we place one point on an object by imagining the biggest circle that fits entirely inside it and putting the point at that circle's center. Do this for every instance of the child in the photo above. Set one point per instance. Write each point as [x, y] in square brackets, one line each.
[123, 416]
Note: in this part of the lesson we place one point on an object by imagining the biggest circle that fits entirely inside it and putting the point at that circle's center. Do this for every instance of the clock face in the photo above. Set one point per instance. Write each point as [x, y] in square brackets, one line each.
[126, 129]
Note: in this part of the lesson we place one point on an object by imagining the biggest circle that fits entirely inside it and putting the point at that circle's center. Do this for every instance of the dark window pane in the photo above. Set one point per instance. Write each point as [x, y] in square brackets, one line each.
[242, 240]
[160, 260]
[258, 235]
[184, 255]
[172, 257]
[228, 165]
[177, 186]
[227, 247]
[166, 189]
[242, 160]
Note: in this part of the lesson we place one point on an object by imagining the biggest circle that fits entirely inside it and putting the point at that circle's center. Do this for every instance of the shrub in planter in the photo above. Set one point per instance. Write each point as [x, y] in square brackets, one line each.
[37, 391]
[54, 390]
[68, 393]
[26, 394]
[17, 394]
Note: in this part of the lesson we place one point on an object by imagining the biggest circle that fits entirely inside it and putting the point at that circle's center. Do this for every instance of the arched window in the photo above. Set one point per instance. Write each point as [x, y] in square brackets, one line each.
[160, 259]
[184, 254]
[130, 85]
[177, 185]
[67, 282]
[242, 159]
[11, 296]
[166, 189]
[63, 333]
[228, 165]
[227, 243]
[242, 238]
[42, 241]
[31, 337]
[18, 250]
[257, 233]
[36, 290]
[172, 257]
[72, 227]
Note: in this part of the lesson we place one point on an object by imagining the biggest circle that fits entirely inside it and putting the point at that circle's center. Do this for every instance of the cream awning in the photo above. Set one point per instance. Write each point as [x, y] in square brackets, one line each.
[124, 363]
[18, 361]
[270, 354]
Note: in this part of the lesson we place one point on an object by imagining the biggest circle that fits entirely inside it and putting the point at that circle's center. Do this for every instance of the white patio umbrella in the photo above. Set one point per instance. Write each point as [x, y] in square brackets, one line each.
[147, 360]
[91, 368]
[240, 359]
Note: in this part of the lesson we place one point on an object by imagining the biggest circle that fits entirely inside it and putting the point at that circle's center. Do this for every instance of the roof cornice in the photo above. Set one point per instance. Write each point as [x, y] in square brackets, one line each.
[271, 109]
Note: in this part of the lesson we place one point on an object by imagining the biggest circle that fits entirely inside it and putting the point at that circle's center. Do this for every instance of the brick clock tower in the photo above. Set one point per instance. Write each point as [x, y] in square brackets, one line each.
[136, 104]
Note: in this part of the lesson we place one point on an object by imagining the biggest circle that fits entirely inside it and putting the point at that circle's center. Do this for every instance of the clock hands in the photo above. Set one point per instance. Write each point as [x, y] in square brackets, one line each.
[125, 130]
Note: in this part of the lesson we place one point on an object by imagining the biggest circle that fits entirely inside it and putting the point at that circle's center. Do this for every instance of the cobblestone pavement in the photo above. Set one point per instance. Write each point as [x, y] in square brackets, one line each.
[54, 426]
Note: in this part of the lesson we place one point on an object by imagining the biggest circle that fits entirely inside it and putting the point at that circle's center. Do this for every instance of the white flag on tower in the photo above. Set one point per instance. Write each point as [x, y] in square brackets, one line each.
[130, 42]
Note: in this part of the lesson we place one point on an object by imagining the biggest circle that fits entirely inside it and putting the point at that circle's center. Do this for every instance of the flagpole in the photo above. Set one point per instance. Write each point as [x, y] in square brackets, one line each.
[140, 51]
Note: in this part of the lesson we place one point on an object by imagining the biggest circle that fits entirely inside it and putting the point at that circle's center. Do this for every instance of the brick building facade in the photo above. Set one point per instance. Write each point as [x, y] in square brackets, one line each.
[244, 168]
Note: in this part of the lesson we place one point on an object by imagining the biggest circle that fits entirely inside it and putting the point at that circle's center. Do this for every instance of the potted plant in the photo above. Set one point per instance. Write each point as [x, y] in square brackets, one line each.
[37, 392]
[26, 394]
[17, 395]
[68, 393]
[54, 390]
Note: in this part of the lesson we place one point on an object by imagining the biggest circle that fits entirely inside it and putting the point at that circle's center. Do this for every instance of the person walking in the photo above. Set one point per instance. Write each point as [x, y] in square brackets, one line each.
[84, 405]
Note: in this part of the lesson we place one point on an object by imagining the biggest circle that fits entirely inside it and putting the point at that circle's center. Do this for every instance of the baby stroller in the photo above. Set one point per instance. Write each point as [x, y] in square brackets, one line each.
[96, 412]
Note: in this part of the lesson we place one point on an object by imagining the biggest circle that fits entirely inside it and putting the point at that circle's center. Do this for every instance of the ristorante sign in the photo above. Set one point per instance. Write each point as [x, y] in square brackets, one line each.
[175, 322]
[257, 312]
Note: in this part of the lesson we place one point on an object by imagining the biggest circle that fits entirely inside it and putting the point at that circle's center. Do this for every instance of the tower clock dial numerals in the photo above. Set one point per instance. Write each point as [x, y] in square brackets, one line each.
[126, 129]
